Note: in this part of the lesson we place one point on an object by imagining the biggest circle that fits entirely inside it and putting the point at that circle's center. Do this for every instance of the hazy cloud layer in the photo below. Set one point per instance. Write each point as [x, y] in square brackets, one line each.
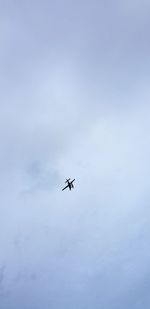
[74, 103]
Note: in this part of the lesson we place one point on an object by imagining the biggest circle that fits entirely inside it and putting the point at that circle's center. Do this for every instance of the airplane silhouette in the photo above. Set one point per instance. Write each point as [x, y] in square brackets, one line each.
[69, 184]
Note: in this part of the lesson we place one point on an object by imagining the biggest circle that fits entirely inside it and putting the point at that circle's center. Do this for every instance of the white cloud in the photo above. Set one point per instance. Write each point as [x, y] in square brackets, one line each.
[61, 117]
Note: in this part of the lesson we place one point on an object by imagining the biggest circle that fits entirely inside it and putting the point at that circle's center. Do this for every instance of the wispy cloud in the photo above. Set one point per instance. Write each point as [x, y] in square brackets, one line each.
[74, 103]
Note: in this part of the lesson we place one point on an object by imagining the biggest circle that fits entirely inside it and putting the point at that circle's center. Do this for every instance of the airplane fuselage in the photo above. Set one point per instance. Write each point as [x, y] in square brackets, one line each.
[69, 184]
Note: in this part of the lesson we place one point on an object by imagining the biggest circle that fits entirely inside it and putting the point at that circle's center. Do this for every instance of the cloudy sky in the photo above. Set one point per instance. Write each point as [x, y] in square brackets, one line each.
[74, 102]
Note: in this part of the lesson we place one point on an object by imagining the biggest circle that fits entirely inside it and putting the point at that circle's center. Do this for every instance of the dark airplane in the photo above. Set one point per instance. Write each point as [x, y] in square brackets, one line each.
[69, 184]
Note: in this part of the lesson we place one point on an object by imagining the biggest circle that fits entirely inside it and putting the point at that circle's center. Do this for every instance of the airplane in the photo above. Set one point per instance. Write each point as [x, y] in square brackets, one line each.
[69, 184]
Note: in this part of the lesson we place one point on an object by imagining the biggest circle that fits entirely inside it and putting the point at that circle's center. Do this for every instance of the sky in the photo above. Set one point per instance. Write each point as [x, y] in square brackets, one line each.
[74, 103]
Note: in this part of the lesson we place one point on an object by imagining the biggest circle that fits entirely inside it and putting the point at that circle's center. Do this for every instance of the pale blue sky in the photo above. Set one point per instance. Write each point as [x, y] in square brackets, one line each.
[74, 102]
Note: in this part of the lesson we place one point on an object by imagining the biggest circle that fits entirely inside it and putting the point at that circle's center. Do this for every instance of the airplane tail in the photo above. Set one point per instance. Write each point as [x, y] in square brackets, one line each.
[67, 180]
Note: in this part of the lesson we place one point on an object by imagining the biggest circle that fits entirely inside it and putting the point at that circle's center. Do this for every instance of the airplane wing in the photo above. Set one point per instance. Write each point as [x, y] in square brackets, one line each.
[65, 187]
[72, 180]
